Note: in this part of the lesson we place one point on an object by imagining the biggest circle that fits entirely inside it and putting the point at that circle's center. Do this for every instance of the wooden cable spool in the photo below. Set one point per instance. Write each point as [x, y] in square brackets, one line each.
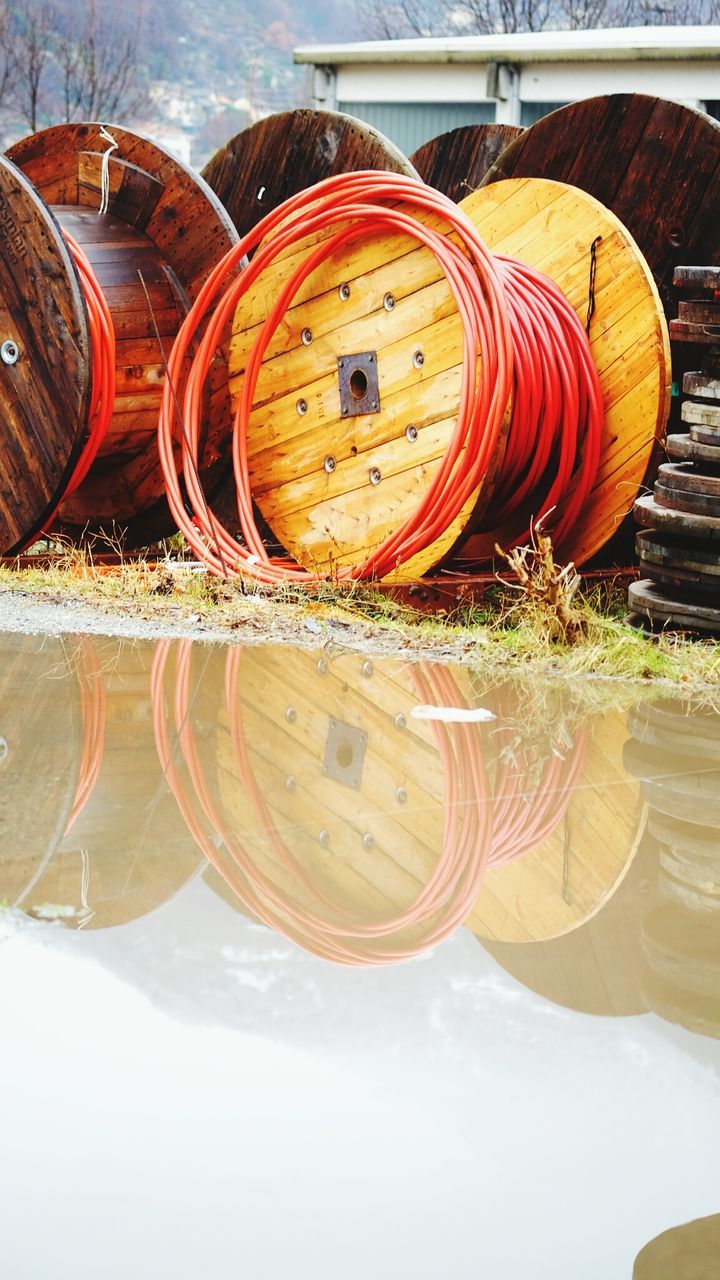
[39, 717]
[127, 852]
[654, 163]
[276, 158]
[358, 392]
[457, 161]
[283, 154]
[162, 221]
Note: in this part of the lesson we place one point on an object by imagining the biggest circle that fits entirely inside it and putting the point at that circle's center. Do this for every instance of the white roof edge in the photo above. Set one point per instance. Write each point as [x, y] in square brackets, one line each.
[606, 44]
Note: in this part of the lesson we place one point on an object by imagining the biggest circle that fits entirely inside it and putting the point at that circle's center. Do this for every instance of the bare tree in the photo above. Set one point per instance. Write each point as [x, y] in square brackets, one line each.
[30, 41]
[8, 68]
[99, 68]
[485, 17]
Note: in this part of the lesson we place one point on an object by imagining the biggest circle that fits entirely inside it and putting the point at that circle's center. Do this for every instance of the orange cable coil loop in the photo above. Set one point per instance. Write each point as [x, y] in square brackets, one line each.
[521, 338]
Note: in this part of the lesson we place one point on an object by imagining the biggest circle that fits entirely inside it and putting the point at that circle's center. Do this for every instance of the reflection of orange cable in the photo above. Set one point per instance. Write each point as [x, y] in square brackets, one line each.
[516, 323]
[326, 927]
[526, 815]
[441, 905]
[92, 701]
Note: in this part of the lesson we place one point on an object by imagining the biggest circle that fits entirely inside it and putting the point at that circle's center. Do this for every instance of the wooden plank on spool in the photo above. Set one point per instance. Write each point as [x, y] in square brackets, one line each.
[166, 222]
[664, 611]
[654, 163]
[552, 227]
[457, 161]
[45, 373]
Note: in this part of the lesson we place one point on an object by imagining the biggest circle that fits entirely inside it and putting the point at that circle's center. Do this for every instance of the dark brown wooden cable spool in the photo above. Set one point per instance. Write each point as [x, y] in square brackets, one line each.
[44, 365]
[457, 161]
[162, 221]
[40, 735]
[655, 163]
[283, 154]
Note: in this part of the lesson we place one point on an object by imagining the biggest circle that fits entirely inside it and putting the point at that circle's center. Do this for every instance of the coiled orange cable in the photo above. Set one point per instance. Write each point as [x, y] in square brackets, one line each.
[521, 336]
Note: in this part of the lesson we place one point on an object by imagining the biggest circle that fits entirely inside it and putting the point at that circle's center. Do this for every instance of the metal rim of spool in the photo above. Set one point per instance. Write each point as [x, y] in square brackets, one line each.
[456, 162]
[626, 149]
[45, 362]
[50, 160]
[317, 512]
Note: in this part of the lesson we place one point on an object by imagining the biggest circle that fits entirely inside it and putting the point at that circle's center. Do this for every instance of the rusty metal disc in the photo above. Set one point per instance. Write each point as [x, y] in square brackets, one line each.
[697, 278]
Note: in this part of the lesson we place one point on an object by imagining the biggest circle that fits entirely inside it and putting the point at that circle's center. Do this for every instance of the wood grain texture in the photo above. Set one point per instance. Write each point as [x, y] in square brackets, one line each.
[165, 221]
[283, 154]
[456, 162]
[44, 396]
[551, 226]
[330, 519]
[654, 163]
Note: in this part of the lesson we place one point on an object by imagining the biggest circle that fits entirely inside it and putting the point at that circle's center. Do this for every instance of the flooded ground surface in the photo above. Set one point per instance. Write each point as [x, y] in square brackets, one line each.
[314, 964]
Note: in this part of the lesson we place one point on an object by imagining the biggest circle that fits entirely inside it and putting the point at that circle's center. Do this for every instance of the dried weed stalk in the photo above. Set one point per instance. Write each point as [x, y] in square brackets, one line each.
[547, 589]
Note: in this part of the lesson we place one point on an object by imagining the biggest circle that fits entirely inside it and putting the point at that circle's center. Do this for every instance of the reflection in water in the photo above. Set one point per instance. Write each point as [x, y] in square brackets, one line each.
[363, 833]
[689, 1252]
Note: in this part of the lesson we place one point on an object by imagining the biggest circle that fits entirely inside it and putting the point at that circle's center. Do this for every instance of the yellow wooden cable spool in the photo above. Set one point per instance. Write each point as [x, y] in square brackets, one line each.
[358, 393]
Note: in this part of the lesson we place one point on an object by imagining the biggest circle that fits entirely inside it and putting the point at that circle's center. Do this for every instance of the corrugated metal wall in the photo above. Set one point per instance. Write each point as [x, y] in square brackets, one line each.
[409, 124]
[530, 112]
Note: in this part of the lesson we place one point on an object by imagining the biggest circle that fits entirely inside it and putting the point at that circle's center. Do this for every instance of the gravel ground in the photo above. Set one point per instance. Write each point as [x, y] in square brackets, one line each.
[259, 621]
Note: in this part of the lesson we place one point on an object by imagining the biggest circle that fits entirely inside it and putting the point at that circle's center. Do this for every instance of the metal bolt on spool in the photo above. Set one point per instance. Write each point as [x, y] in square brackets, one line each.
[9, 352]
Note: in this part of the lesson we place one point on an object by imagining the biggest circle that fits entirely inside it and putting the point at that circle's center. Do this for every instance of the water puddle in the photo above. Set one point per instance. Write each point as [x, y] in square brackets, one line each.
[319, 964]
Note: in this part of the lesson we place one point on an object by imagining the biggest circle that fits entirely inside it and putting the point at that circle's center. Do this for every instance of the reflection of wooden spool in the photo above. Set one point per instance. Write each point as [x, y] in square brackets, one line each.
[688, 1252]
[39, 723]
[162, 221]
[596, 967]
[639, 156]
[358, 392]
[457, 161]
[352, 783]
[128, 851]
[562, 884]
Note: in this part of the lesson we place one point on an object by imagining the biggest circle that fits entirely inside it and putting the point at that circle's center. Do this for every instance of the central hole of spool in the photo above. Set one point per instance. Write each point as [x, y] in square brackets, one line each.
[358, 383]
[344, 754]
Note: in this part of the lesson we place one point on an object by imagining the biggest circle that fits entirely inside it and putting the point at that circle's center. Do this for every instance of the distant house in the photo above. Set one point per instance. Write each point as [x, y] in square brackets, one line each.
[413, 90]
